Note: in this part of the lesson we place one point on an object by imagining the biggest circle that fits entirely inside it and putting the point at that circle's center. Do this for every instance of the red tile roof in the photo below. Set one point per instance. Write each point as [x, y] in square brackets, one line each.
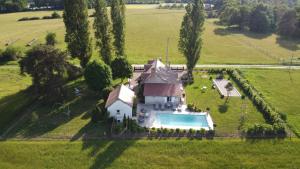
[162, 89]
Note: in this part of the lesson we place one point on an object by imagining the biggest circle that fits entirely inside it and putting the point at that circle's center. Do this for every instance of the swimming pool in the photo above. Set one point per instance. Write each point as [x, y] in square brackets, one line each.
[183, 121]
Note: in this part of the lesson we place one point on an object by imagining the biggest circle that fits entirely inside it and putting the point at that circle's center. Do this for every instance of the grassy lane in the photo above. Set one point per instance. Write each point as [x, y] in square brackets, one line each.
[280, 88]
[147, 31]
[225, 115]
[150, 154]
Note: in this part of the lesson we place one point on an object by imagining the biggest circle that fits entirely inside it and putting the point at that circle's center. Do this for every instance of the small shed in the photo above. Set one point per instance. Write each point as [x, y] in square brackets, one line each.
[120, 103]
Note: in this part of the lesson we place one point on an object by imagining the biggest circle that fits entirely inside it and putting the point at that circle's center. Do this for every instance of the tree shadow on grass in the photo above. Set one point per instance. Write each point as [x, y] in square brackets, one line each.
[223, 108]
[44, 118]
[13, 106]
[235, 30]
[106, 152]
[288, 43]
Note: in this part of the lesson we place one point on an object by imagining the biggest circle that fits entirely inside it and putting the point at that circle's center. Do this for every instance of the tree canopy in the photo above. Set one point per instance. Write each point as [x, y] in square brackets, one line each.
[190, 42]
[121, 68]
[261, 19]
[47, 67]
[98, 75]
[102, 31]
[77, 30]
[51, 39]
[118, 26]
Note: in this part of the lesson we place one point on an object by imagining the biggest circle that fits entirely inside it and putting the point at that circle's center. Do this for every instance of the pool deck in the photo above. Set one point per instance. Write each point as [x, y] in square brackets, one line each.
[147, 113]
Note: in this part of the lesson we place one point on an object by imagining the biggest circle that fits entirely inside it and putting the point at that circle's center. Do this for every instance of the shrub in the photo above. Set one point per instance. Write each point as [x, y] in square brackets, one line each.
[98, 75]
[34, 18]
[274, 118]
[10, 54]
[23, 19]
[51, 39]
[55, 15]
[121, 68]
[46, 17]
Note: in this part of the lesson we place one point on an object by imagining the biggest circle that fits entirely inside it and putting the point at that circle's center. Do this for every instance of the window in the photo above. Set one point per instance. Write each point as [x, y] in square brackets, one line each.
[118, 112]
[169, 99]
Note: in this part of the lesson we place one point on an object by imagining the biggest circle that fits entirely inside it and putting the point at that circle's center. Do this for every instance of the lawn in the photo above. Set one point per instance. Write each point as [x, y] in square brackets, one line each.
[147, 30]
[226, 115]
[51, 120]
[12, 94]
[150, 154]
[281, 89]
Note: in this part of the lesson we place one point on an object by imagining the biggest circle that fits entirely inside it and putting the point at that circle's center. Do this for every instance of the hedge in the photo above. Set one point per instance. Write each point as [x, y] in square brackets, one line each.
[275, 126]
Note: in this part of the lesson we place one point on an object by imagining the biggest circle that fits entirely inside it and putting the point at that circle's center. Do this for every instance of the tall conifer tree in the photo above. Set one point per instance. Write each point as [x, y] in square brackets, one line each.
[102, 31]
[118, 25]
[190, 42]
[77, 30]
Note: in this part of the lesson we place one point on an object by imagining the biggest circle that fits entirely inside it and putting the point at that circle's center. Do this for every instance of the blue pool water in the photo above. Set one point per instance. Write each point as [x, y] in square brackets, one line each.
[181, 120]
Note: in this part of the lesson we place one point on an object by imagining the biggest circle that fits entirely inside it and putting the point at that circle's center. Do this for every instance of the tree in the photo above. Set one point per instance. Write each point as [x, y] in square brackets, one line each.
[51, 39]
[98, 76]
[11, 53]
[287, 25]
[121, 68]
[47, 67]
[190, 42]
[229, 88]
[118, 25]
[261, 19]
[77, 30]
[102, 31]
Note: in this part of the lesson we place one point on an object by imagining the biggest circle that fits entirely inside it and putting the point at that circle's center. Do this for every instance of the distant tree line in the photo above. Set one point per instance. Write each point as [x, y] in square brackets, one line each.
[267, 16]
[7, 6]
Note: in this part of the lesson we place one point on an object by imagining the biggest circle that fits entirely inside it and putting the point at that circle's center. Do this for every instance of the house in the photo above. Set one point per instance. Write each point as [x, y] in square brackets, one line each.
[120, 102]
[161, 85]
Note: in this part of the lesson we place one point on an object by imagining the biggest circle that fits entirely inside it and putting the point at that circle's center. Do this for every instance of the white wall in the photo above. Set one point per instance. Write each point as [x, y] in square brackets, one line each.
[160, 100]
[124, 109]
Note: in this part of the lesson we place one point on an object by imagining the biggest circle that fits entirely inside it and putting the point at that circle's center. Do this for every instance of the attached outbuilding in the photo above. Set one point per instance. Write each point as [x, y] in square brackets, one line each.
[120, 102]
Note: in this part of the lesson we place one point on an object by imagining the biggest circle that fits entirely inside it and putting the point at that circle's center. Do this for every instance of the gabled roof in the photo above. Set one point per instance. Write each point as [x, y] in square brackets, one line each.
[157, 89]
[121, 93]
[157, 72]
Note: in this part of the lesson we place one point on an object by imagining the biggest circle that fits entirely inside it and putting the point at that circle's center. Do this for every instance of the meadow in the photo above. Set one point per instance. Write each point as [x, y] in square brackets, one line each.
[226, 114]
[281, 89]
[147, 31]
[228, 153]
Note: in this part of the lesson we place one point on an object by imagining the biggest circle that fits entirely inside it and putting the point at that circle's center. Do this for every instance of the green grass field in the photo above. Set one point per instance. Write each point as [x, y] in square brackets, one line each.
[147, 30]
[12, 95]
[151, 154]
[225, 115]
[281, 89]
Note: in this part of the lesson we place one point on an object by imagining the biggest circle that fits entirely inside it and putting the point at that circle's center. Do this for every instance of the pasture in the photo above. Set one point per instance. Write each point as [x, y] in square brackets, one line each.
[281, 89]
[228, 153]
[147, 30]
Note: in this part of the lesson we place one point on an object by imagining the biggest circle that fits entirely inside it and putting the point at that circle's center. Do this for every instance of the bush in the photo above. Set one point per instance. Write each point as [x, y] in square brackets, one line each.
[23, 19]
[46, 17]
[55, 15]
[121, 68]
[10, 54]
[51, 39]
[98, 76]
[29, 18]
[34, 18]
